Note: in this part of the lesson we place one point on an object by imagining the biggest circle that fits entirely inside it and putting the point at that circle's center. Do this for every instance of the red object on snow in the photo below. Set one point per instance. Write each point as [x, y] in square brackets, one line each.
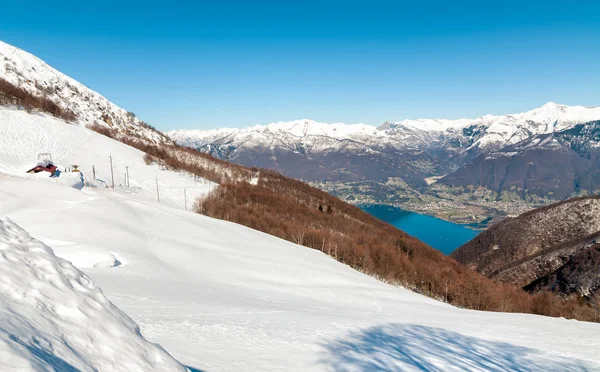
[51, 168]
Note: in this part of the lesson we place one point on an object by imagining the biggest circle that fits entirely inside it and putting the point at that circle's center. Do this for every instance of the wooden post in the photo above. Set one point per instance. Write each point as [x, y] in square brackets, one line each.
[94, 173]
[157, 194]
[127, 175]
[185, 199]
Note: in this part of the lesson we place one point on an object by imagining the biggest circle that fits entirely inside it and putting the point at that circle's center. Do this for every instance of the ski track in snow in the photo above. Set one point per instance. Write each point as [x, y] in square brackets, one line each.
[221, 297]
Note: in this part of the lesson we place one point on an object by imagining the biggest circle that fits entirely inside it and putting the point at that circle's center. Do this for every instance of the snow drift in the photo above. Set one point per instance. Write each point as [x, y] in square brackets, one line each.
[53, 317]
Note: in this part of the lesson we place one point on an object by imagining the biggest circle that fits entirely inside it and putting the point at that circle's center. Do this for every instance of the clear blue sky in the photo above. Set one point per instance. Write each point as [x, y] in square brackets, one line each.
[204, 64]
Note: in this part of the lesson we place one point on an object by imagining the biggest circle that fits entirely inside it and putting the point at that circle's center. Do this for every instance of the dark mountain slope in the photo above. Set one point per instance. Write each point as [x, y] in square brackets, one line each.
[546, 248]
[351, 161]
[580, 275]
[554, 166]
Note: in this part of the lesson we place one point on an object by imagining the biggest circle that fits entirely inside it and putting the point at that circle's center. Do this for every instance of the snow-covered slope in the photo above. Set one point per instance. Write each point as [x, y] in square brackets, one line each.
[222, 297]
[27, 71]
[24, 136]
[53, 317]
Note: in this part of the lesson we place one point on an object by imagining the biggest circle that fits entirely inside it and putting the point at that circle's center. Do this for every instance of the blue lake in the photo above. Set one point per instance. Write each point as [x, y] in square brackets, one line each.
[437, 233]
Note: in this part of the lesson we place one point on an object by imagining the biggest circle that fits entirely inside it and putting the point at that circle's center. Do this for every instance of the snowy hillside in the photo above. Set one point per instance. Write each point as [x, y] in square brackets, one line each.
[25, 136]
[222, 297]
[53, 317]
[27, 71]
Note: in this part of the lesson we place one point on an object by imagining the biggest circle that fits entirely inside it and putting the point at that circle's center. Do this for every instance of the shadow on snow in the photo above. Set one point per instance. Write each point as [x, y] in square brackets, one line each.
[47, 357]
[192, 369]
[401, 347]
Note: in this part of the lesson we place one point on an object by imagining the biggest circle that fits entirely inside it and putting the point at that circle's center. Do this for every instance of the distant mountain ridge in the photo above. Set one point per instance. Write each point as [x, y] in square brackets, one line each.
[558, 165]
[403, 154]
[486, 131]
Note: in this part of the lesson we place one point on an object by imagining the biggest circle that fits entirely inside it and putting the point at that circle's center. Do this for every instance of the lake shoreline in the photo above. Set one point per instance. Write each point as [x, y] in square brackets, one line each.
[439, 233]
[477, 226]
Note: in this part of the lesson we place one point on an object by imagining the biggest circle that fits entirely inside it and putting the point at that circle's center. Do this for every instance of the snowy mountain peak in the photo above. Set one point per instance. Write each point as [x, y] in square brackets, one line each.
[482, 132]
[32, 74]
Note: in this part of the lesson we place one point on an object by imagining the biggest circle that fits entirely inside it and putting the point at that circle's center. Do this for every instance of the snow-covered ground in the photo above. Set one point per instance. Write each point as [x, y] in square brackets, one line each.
[24, 136]
[222, 297]
[53, 317]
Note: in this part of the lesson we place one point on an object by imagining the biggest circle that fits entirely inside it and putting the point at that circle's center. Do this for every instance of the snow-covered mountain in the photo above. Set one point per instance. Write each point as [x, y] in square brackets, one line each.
[492, 132]
[223, 297]
[392, 158]
[555, 165]
[486, 132]
[28, 72]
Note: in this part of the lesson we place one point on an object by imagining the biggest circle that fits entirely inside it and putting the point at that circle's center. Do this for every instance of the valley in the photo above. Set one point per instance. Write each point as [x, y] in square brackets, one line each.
[477, 208]
[470, 171]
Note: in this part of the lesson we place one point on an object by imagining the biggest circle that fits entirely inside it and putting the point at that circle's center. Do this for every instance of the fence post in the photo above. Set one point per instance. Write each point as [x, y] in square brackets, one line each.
[112, 176]
[157, 194]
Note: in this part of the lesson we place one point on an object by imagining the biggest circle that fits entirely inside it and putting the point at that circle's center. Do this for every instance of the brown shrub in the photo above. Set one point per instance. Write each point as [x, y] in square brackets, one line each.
[148, 159]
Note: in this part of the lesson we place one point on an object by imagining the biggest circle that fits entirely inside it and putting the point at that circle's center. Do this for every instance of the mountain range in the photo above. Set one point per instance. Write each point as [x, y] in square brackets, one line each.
[548, 153]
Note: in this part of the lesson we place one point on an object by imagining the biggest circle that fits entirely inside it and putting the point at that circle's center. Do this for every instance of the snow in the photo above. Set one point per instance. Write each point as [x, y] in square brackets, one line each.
[53, 317]
[306, 133]
[221, 297]
[553, 116]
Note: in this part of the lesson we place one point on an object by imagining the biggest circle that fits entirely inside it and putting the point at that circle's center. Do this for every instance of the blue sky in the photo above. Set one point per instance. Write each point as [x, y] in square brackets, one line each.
[205, 64]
